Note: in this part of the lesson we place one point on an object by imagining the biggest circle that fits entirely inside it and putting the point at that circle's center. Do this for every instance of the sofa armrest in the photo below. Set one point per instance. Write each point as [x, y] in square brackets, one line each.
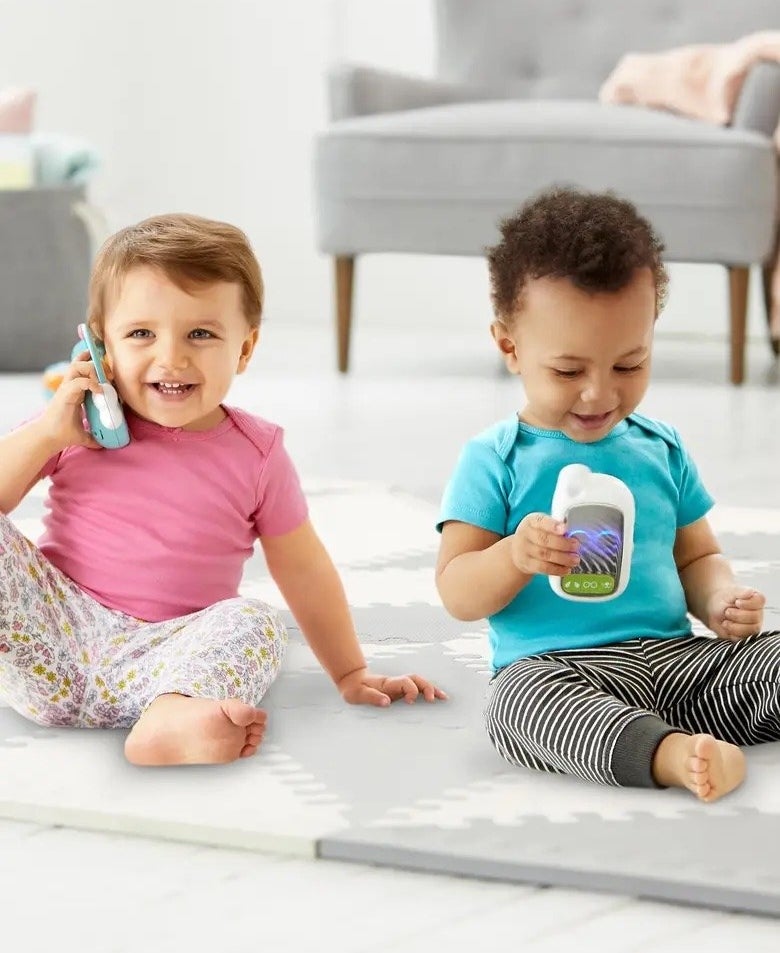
[355, 90]
[758, 106]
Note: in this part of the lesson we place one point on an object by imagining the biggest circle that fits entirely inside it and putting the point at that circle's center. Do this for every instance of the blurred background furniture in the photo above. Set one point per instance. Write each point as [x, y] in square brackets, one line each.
[418, 165]
[48, 233]
[45, 258]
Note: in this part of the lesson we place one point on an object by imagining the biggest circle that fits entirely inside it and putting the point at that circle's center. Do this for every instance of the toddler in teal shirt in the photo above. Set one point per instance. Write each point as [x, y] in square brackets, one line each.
[617, 691]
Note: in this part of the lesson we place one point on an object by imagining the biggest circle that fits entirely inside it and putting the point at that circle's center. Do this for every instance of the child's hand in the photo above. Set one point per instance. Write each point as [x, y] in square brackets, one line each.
[363, 688]
[539, 546]
[62, 417]
[735, 612]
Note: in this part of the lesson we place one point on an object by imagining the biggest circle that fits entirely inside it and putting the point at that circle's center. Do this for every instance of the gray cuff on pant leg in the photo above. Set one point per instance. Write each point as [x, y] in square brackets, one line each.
[632, 757]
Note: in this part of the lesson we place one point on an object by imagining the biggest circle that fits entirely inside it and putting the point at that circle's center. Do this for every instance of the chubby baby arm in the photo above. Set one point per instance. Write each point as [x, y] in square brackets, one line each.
[311, 587]
[712, 593]
[478, 572]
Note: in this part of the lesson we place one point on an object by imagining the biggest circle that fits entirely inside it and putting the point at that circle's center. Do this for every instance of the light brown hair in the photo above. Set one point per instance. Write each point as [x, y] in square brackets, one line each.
[190, 250]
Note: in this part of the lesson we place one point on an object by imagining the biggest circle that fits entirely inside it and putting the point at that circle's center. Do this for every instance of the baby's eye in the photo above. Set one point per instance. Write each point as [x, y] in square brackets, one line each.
[139, 333]
[201, 334]
[566, 374]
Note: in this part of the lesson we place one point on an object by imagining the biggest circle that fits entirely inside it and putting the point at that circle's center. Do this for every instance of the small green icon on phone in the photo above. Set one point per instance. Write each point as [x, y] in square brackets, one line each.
[588, 584]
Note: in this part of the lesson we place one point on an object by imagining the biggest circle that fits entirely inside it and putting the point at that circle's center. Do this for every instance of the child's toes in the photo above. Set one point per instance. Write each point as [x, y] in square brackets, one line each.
[255, 736]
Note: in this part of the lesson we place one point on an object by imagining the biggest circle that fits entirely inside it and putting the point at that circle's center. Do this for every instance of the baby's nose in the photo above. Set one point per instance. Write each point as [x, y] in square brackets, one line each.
[171, 355]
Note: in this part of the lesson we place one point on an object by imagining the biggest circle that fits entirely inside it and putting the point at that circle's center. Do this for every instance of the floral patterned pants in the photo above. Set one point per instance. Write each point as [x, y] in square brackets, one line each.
[67, 660]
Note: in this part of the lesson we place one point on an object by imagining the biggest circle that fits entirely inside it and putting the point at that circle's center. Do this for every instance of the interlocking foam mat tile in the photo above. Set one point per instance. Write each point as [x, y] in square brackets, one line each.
[415, 786]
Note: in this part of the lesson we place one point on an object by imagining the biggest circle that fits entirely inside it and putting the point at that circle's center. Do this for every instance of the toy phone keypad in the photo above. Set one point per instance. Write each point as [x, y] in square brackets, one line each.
[599, 529]
[103, 411]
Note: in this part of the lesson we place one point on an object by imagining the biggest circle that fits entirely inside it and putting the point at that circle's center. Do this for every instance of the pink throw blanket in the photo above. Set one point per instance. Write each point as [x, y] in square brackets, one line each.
[16, 110]
[701, 81]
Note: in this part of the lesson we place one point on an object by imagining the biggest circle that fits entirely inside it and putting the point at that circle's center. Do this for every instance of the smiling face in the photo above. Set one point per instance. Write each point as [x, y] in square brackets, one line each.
[584, 358]
[173, 353]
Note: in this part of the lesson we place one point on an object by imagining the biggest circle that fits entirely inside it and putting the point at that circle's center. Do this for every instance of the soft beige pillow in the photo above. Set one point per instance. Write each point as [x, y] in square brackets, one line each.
[16, 110]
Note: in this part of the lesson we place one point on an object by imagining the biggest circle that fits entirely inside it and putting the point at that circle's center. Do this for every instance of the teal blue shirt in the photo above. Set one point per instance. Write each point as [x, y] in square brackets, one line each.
[511, 469]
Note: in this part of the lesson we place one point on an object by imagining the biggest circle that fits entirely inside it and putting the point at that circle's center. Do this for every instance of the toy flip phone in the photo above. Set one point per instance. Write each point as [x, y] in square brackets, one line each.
[103, 412]
[599, 511]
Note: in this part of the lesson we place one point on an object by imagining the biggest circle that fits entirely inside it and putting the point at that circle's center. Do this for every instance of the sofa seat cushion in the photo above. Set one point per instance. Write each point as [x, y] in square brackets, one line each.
[438, 179]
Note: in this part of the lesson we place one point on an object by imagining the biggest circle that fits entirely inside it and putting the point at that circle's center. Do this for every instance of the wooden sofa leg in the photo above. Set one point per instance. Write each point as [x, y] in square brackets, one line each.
[738, 298]
[345, 275]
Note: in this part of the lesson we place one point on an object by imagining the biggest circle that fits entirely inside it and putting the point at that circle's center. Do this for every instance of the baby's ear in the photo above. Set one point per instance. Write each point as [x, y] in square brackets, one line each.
[506, 345]
[247, 349]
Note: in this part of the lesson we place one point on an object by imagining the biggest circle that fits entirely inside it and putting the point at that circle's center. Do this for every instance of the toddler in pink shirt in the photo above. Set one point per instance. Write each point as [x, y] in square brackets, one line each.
[127, 613]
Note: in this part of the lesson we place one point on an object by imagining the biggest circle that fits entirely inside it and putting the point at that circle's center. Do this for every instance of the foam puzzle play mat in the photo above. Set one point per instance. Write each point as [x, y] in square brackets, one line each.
[415, 786]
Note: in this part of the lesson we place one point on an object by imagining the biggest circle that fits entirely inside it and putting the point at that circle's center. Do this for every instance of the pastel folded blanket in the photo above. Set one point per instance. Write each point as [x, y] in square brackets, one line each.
[44, 159]
[63, 160]
[702, 81]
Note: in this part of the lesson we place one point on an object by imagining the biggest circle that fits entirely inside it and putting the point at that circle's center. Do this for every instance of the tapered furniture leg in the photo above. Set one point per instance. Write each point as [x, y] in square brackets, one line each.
[738, 297]
[766, 280]
[345, 275]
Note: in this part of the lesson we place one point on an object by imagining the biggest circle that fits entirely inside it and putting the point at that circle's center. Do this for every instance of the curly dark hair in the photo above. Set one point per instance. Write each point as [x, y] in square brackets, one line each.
[596, 240]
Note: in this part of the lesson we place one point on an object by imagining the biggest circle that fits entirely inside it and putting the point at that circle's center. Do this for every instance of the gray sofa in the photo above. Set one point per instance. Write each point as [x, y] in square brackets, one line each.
[45, 258]
[430, 166]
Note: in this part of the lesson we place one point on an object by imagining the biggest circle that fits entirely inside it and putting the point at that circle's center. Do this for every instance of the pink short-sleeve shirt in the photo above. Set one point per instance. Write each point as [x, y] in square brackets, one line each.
[163, 527]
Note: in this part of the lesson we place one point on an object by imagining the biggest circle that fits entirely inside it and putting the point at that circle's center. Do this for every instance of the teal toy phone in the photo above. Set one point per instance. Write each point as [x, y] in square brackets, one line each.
[104, 415]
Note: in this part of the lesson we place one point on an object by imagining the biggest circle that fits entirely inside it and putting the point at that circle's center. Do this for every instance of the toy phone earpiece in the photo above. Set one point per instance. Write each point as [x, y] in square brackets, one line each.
[104, 412]
[599, 511]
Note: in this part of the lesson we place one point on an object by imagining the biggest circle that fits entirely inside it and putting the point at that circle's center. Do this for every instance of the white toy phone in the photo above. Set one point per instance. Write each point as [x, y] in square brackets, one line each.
[599, 511]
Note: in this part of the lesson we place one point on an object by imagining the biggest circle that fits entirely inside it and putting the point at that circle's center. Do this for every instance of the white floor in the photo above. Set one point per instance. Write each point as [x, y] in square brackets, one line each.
[399, 417]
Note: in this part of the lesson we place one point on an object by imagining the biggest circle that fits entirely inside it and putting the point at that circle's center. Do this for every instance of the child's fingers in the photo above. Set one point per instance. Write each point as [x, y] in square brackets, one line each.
[555, 542]
[540, 523]
[750, 600]
[741, 630]
[557, 548]
[80, 369]
[371, 696]
[535, 565]
[73, 391]
[542, 548]
[743, 617]
[429, 691]
[553, 561]
[538, 529]
[552, 533]
[405, 687]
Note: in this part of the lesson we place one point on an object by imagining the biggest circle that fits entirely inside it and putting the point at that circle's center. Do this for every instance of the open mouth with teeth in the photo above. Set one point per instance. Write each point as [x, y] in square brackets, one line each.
[172, 390]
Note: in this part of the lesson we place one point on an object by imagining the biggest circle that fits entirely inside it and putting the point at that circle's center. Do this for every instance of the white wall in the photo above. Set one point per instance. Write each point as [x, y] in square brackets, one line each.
[210, 106]
[207, 106]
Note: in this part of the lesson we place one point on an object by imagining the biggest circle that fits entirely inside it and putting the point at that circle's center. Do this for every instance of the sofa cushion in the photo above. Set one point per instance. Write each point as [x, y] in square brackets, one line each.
[44, 272]
[439, 179]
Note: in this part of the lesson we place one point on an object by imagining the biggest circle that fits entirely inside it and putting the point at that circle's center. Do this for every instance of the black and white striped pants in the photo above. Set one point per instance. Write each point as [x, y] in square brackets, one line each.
[600, 713]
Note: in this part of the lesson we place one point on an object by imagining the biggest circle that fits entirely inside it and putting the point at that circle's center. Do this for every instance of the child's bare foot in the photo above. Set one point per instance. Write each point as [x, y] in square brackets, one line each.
[176, 729]
[702, 764]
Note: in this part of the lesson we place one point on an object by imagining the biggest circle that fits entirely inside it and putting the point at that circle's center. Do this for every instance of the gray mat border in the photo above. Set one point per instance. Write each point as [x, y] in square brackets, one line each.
[549, 875]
